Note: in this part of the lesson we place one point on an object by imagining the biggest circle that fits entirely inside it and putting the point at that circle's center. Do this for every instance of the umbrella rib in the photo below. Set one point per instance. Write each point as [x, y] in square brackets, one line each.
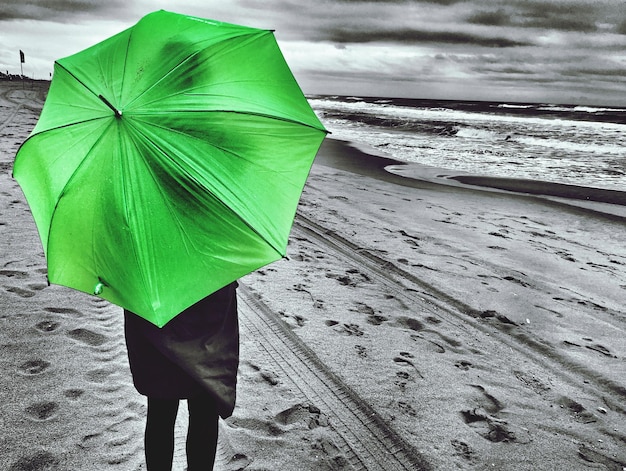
[276, 118]
[40, 133]
[121, 89]
[63, 190]
[247, 113]
[102, 98]
[76, 78]
[129, 220]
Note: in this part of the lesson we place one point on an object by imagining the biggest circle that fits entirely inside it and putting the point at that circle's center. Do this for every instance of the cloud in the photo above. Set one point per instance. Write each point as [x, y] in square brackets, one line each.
[563, 15]
[411, 47]
[422, 36]
[55, 10]
[566, 16]
[491, 18]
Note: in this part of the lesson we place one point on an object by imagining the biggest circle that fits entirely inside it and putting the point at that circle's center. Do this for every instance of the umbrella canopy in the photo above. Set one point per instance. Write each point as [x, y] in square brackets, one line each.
[168, 161]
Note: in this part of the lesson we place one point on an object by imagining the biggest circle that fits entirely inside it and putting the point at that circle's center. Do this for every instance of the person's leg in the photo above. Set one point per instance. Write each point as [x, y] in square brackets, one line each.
[202, 434]
[159, 437]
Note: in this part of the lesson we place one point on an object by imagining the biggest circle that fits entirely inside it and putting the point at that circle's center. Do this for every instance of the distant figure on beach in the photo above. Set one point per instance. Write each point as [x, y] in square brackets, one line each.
[195, 357]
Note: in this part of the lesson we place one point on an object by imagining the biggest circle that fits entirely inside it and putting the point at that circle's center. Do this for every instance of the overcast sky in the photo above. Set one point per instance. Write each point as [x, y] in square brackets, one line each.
[559, 51]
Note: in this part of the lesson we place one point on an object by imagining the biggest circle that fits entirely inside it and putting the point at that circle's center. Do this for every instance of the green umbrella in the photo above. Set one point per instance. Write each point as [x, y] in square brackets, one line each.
[168, 161]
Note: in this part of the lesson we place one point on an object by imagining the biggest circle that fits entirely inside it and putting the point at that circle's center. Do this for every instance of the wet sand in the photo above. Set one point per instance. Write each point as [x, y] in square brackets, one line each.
[484, 329]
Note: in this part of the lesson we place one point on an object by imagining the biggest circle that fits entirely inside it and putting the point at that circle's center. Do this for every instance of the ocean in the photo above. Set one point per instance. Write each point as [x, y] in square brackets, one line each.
[576, 145]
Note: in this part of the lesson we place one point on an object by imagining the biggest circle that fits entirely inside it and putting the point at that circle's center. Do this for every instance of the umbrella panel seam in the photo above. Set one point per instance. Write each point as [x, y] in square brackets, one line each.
[251, 37]
[64, 190]
[187, 174]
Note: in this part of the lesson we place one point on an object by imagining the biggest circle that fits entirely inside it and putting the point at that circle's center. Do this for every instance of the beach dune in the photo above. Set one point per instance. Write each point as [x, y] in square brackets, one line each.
[417, 323]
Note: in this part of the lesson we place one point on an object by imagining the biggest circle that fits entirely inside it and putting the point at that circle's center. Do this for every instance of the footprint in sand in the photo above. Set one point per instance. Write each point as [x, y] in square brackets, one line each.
[47, 326]
[302, 257]
[335, 459]
[87, 337]
[33, 367]
[483, 419]
[37, 286]
[64, 310]
[407, 408]
[351, 278]
[565, 255]
[20, 275]
[595, 347]
[21, 292]
[403, 360]
[403, 379]
[463, 365]
[299, 415]
[99, 375]
[361, 351]
[512, 279]
[346, 329]
[269, 377]
[304, 413]
[463, 449]
[576, 410]
[487, 426]
[73, 393]
[299, 287]
[450, 343]
[39, 461]
[295, 320]
[258, 425]
[409, 323]
[372, 317]
[601, 349]
[41, 411]
[266, 376]
[498, 234]
[490, 314]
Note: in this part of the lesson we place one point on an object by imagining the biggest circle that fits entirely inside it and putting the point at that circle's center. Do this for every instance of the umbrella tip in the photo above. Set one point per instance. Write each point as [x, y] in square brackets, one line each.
[118, 113]
[98, 289]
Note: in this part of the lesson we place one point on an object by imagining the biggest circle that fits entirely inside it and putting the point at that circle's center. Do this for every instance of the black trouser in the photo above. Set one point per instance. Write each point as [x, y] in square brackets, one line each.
[201, 434]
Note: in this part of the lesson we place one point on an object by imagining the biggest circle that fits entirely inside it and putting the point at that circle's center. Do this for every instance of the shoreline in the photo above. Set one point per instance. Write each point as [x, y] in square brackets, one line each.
[360, 159]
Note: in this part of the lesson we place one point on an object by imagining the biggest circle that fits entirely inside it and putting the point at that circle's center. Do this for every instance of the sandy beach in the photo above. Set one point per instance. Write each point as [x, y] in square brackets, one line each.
[419, 322]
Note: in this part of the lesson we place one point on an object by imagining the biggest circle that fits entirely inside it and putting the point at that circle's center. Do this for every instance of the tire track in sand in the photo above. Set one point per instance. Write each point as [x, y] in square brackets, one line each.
[367, 442]
[438, 303]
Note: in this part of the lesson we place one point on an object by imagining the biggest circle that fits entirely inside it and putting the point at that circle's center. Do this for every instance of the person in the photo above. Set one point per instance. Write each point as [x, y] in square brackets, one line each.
[195, 357]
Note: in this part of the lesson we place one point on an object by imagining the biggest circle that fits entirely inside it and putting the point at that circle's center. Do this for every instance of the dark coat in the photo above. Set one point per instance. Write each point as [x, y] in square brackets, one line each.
[195, 353]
